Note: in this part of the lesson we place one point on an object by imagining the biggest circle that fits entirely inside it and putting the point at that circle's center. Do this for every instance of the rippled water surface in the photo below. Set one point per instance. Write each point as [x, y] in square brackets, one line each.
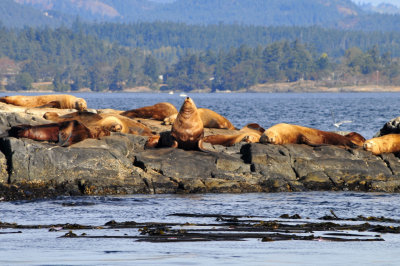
[367, 111]
[40, 247]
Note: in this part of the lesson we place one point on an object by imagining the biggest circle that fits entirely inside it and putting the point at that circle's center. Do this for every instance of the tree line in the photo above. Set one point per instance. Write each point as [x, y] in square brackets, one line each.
[71, 60]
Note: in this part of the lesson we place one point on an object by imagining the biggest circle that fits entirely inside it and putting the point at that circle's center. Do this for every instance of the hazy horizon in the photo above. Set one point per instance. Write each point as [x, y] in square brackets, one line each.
[377, 2]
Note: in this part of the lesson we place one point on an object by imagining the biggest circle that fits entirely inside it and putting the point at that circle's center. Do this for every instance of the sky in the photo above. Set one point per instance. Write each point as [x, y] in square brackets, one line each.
[376, 2]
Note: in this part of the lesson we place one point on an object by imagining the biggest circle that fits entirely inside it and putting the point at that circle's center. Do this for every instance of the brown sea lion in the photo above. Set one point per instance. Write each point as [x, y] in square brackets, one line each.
[356, 138]
[287, 133]
[210, 119]
[188, 128]
[158, 111]
[250, 133]
[63, 133]
[384, 144]
[61, 101]
[109, 122]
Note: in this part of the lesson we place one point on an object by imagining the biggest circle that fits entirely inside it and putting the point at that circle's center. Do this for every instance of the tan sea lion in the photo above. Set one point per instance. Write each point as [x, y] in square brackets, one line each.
[384, 144]
[63, 133]
[287, 133]
[61, 101]
[158, 111]
[210, 119]
[250, 133]
[188, 128]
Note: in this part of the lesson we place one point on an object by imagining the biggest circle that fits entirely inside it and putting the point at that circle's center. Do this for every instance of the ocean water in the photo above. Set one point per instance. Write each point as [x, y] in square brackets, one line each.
[367, 111]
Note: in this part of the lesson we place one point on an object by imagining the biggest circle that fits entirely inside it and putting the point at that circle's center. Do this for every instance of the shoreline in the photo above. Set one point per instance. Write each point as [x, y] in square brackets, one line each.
[293, 87]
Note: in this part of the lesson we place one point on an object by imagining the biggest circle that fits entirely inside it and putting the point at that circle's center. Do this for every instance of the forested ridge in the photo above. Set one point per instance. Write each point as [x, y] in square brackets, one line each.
[339, 14]
[176, 56]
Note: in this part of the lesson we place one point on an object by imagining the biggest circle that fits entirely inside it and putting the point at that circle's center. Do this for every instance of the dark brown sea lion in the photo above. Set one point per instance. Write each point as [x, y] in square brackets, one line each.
[384, 144]
[61, 101]
[63, 133]
[158, 111]
[287, 133]
[210, 119]
[188, 128]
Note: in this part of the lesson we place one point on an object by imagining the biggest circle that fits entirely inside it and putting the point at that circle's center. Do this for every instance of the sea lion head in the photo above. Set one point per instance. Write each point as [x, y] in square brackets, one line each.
[51, 116]
[270, 136]
[188, 108]
[80, 104]
[371, 146]
[251, 138]
[170, 119]
[355, 138]
[112, 123]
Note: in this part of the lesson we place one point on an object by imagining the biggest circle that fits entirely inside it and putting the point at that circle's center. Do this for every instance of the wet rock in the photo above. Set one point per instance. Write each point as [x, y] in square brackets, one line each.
[3, 169]
[120, 164]
[391, 127]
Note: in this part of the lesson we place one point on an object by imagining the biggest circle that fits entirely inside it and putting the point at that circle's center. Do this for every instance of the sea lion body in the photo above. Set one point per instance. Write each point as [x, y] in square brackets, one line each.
[250, 133]
[384, 144]
[63, 133]
[158, 111]
[108, 121]
[287, 133]
[188, 128]
[210, 119]
[61, 101]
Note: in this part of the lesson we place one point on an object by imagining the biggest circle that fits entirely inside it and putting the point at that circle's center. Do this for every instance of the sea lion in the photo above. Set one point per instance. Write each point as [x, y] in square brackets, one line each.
[108, 122]
[158, 111]
[210, 119]
[60, 101]
[188, 128]
[111, 122]
[287, 133]
[356, 138]
[250, 133]
[63, 133]
[384, 144]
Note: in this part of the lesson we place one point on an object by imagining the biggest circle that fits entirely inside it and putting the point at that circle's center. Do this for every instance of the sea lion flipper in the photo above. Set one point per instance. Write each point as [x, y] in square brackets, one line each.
[153, 141]
[174, 144]
[63, 138]
[201, 146]
[53, 104]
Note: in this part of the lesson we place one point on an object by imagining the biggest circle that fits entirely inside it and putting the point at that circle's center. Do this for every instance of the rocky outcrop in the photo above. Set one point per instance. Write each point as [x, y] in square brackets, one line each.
[391, 127]
[120, 164]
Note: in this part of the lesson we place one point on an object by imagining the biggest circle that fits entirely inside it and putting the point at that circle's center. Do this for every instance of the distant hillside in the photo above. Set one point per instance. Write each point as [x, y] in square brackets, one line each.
[342, 14]
[13, 14]
[383, 8]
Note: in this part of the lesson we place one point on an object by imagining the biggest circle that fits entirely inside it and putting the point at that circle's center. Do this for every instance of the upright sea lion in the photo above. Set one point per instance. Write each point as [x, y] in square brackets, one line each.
[158, 111]
[384, 144]
[188, 128]
[250, 133]
[63, 133]
[61, 101]
[210, 119]
[287, 133]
